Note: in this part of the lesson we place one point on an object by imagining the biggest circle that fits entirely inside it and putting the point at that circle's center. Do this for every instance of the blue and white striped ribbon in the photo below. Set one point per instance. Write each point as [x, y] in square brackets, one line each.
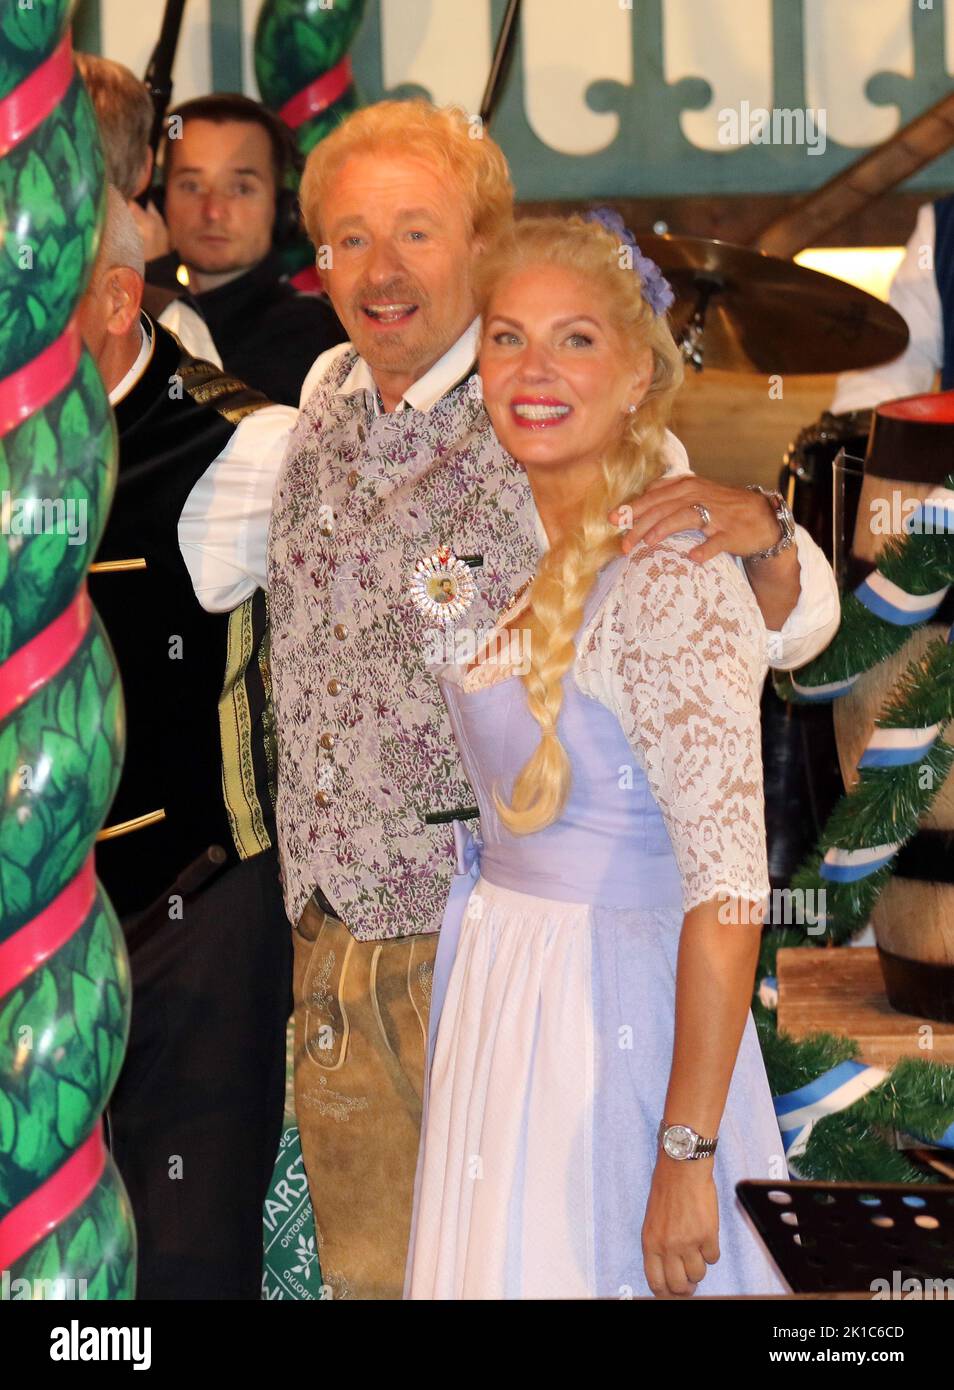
[799, 1111]
[946, 1140]
[849, 865]
[889, 601]
[831, 691]
[898, 747]
[885, 748]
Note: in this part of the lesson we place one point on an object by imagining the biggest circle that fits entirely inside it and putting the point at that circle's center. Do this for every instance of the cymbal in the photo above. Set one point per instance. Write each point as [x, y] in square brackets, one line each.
[742, 310]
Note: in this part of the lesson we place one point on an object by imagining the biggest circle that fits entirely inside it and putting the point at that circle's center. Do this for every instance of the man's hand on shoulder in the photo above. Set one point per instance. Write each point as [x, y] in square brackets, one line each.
[741, 522]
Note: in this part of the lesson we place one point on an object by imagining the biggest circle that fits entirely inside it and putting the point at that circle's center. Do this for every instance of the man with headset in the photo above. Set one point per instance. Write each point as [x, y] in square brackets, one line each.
[226, 161]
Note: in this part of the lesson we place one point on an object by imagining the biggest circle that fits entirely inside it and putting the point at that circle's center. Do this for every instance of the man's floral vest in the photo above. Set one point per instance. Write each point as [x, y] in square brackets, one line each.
[365, 743]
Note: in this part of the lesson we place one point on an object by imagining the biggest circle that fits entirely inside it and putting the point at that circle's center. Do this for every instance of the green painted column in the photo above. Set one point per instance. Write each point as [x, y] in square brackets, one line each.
[64, 977]
[304, 73]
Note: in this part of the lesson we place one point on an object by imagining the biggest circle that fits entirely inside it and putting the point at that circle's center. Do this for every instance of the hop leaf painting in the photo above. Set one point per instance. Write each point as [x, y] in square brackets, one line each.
[306, 1253]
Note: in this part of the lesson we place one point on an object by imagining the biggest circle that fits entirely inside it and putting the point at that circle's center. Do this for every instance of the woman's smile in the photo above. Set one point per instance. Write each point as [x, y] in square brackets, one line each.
[539, 412]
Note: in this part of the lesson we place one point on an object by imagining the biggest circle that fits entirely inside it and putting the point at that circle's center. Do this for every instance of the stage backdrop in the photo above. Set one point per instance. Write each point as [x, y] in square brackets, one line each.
[619, 97]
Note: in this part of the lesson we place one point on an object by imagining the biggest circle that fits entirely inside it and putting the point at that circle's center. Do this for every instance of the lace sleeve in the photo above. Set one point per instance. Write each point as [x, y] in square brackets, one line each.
[678, 653]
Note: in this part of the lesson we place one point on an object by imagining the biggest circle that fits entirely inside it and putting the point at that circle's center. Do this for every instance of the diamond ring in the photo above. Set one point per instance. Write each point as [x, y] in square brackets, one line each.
[703, 511]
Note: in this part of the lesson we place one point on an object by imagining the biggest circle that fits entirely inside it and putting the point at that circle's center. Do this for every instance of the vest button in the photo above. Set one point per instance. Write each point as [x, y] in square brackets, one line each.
[327, 740]
[353, 478]
[334, 687]
[340, 631]
[321, 798]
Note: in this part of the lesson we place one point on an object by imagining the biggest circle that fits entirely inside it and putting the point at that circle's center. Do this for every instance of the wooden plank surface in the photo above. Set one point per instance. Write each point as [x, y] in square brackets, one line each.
[841, 991]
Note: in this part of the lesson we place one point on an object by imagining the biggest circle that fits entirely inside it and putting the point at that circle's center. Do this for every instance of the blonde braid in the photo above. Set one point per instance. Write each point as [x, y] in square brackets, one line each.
[568, 571]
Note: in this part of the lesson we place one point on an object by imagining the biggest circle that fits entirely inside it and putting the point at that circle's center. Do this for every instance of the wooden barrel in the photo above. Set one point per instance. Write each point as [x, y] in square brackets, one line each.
[910, 452]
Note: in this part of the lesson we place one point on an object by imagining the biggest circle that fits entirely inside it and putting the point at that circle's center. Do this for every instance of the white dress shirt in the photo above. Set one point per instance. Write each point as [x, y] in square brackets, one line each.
[191, 330]
[223, 529]
[123, 387]
[256, 446]
[915, 295]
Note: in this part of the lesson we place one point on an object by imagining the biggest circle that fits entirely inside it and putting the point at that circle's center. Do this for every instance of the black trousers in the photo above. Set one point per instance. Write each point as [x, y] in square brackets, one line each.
[195, 1118]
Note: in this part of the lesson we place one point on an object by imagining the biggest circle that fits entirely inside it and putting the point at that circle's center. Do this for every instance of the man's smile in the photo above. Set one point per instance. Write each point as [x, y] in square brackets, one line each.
[389, 313]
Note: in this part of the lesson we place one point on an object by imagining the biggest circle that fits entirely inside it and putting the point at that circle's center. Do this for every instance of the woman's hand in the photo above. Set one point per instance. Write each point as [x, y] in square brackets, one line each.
[742, 522]
[681, 1226]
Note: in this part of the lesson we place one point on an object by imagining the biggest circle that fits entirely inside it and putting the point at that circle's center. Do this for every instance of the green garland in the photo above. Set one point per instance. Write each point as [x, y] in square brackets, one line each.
[919, 563]
[885, 806]
[857, 1143]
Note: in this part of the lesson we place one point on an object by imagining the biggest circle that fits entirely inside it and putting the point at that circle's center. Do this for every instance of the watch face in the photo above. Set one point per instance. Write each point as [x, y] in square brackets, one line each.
[678, 1141]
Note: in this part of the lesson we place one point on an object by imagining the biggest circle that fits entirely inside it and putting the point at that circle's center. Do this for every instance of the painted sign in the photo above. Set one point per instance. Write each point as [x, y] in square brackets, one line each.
[620, 97]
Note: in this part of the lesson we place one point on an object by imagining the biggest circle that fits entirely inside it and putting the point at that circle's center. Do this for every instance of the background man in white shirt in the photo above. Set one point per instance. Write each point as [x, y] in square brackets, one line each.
[922, 291]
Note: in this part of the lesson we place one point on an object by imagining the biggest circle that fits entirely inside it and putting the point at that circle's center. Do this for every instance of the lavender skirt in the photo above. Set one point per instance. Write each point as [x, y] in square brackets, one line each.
[548, 1081]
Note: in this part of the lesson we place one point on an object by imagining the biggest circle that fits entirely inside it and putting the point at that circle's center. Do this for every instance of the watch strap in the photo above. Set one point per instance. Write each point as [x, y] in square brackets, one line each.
[702, 1148]
[783, 516]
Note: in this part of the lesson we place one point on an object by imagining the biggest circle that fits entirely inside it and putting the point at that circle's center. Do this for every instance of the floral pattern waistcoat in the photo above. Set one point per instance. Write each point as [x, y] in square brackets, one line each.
[365, 743]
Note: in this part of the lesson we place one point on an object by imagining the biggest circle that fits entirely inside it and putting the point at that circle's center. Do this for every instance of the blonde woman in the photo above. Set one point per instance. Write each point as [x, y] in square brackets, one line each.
[594, 976]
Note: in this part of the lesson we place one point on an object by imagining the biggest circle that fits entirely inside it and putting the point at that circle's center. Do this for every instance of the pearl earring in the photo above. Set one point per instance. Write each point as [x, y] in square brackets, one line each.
[630, 409]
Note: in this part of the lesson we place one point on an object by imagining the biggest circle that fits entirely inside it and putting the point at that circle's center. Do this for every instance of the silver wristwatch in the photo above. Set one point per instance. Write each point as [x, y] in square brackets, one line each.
[783, 515]
[682, 1142]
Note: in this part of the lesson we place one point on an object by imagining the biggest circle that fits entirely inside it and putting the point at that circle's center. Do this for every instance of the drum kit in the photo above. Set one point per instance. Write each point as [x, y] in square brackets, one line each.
[743, 310]
[739, 309]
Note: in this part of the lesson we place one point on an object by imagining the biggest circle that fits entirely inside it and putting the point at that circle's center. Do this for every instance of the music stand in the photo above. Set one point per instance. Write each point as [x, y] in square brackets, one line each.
[840, 1237]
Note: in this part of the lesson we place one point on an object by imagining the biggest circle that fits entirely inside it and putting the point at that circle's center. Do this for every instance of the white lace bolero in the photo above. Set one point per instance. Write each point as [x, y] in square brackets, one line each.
[678, 652]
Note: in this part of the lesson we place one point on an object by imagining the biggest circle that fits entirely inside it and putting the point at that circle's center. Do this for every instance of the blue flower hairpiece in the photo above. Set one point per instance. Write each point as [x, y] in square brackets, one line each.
[657, 291]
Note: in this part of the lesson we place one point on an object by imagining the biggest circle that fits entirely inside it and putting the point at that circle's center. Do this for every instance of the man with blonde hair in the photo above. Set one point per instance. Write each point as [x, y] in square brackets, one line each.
[392, 459]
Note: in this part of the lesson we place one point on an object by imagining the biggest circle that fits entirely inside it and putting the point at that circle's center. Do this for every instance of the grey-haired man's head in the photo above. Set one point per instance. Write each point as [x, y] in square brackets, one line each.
[108, 313]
